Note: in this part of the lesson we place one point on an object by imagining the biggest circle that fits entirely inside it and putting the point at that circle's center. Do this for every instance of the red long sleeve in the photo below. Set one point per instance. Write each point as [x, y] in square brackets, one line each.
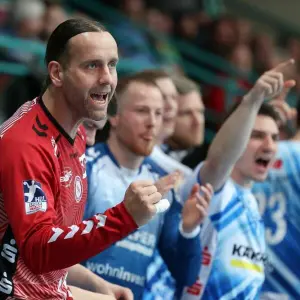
[35, 208]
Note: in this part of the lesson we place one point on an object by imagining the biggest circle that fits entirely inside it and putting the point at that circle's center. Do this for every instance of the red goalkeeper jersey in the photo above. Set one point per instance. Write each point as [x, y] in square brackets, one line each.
[43, 189]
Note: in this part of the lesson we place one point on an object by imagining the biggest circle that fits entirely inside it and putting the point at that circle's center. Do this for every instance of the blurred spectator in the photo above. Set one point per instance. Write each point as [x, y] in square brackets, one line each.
[241, 58]
[293, 46]
[223, 36]
[159, 21]
[148, 48]
[161, 27]
[26, 22]
[218, 98]
[263, 51]
[187, 27]
[244, 31]
[4, 9]
[134, 9]
[54, 15]
[133, 41]
[189, 125]
[27, 18]
[178, 5]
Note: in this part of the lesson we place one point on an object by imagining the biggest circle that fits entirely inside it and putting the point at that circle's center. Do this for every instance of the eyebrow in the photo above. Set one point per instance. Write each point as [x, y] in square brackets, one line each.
[189, 109]
[257, 131]
[97, 60]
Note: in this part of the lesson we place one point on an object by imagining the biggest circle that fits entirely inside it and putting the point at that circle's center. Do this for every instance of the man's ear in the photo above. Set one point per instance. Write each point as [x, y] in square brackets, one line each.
[55, 73]
[113, 121]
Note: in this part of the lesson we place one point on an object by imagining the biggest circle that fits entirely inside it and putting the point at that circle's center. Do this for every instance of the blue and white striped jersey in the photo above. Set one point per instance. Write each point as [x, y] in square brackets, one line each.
[159, 282]
[279, 201]
[232, 237]
[126, 262]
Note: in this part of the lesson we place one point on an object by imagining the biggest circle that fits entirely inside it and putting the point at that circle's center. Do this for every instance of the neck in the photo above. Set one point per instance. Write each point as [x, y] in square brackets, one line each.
[60, 110]
[161, 138]
[241, 180]
[124, 156]
[297, 136]
[174, 145]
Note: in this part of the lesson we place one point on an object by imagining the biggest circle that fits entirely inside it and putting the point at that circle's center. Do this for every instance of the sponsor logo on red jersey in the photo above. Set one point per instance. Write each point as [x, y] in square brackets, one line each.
[78, 188]
[66, 177]
[34, 197]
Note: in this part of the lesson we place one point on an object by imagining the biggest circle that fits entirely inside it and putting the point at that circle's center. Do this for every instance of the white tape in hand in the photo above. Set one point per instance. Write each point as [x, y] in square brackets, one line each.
[162, 205]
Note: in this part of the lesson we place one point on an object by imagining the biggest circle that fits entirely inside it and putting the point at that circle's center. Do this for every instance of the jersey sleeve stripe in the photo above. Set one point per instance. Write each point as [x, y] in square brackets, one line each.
[229, 219]
[228, 209]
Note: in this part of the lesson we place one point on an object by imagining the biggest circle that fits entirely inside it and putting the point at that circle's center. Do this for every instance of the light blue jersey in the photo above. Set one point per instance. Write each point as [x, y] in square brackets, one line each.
[279, 202]
[233, 243]
[126, 262]
[159, 283]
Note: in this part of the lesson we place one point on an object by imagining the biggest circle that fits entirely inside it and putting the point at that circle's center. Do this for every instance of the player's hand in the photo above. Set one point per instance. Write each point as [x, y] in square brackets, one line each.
[271, 83]
[168, 182]
[140, 199]
[195, 208]
[120, 292]
[279, 103]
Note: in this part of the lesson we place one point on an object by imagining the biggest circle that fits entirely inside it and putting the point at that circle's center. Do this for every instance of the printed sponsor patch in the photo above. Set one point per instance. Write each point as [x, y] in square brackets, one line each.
[66, 177]
[78, 188]
[34, 197]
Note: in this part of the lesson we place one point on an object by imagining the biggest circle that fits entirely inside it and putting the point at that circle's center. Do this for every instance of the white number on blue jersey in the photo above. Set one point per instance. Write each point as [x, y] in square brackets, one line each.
[277, 208]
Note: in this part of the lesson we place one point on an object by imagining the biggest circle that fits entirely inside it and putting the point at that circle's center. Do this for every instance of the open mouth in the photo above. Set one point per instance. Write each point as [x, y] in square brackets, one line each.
[99, 97]
[262, 162]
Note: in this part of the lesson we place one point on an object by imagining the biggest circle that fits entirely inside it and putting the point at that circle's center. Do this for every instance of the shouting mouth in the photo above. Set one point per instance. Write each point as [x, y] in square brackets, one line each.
[99, 98]
[263, 163]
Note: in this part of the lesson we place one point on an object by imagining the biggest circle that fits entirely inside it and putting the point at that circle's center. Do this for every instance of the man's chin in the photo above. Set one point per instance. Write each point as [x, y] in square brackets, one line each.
[143, 151]
[99, 120]
[260, 177]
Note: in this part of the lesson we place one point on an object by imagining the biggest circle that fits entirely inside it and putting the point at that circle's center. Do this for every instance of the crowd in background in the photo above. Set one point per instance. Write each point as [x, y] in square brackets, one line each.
[248, 49]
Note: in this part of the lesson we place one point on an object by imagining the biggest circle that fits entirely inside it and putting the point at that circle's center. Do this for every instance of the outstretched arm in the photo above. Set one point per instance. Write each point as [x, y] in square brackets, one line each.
[231, 140]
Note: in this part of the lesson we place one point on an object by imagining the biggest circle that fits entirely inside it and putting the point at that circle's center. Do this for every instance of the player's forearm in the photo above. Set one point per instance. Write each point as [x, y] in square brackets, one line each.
[82, 277]
[49, 248]
[183, 258]
[181, 254]
[229, 143]
[80, 294]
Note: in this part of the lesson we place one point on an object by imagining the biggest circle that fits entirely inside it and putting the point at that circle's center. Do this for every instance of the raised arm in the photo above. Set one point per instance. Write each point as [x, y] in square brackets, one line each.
[231, 140]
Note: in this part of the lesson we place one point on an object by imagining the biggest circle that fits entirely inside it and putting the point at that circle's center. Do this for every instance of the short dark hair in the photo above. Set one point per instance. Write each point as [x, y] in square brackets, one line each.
[153, 74]
[185, 85]
[123, 84]
[57, 46]
[266, 109]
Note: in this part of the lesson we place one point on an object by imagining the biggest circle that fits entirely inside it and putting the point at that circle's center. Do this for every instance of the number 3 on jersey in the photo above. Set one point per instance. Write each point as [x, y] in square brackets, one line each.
[276, 208]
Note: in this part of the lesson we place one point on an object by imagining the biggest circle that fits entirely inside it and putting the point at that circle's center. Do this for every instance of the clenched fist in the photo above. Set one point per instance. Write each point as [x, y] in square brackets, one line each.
[140, 199]
[195, 208]
[271, 83]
